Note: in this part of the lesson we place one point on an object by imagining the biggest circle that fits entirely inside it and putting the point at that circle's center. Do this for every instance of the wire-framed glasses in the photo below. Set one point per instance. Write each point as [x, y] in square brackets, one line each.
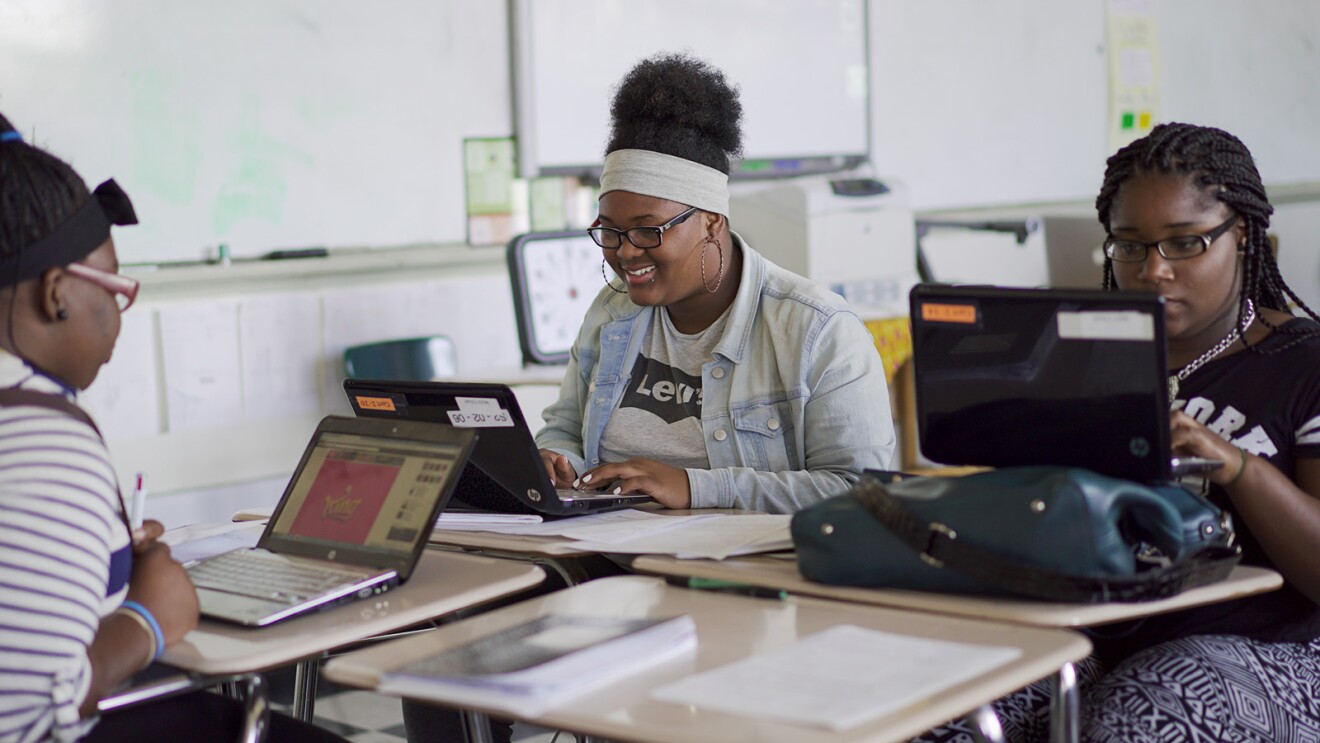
[641, 237]
[121, 287]
[1177, 248]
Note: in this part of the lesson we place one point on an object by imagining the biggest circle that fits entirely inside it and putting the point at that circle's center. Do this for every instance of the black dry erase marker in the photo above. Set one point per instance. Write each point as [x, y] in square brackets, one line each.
[280, 255]
[740, 589]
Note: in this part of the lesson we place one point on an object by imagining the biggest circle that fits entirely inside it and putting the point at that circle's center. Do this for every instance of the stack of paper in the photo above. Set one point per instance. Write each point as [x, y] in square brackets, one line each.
[635, 532]
[482, 520]
[540, 664]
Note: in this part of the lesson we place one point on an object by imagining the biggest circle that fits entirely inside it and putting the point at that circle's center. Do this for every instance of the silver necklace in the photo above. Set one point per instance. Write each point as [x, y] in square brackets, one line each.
[1214, 351]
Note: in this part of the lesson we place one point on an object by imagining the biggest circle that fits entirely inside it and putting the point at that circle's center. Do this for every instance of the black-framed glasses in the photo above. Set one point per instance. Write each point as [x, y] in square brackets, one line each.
[641, 237]
[1172, 248]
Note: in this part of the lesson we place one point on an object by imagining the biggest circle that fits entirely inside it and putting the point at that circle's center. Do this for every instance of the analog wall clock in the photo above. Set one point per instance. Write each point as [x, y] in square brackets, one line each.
[555, 276]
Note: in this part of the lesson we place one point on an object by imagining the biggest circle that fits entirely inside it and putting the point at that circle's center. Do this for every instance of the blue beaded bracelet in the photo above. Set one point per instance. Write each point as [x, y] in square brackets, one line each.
[145, 613]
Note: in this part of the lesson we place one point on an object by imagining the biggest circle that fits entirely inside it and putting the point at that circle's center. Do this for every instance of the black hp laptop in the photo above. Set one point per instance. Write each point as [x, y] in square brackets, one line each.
[505, 473]
[1044, 376]
[352, 522]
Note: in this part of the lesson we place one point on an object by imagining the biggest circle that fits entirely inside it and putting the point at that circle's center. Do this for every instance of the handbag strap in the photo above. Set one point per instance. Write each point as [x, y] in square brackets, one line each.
[939, 546]
[16, 396]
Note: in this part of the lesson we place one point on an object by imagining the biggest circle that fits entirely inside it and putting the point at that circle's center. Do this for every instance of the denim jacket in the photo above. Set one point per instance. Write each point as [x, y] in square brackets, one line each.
[794, 403]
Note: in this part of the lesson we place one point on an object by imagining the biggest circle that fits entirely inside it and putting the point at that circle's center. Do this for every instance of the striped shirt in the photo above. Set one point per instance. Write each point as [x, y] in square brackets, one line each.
[64, 561]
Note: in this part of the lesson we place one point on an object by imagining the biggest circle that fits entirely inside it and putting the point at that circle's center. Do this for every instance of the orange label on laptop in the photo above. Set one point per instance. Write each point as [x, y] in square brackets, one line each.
[957, 313]
[375, 403]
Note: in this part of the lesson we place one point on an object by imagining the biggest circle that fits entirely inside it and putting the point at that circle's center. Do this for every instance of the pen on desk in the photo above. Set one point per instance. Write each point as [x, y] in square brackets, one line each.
[724, 586]
[139, 505]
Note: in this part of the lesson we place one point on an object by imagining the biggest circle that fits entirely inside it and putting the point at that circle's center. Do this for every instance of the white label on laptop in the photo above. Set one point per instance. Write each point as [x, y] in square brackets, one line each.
[1106, 325]
[497, 418]
[478, 404]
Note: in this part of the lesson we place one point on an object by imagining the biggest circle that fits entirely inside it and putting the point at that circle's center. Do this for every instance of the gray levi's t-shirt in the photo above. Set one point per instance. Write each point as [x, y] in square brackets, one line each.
[659, 416]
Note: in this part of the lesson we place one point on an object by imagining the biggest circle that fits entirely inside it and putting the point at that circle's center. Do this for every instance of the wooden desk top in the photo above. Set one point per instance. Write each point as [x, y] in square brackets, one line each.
[730, 628]
[780, 573]
[443, 582]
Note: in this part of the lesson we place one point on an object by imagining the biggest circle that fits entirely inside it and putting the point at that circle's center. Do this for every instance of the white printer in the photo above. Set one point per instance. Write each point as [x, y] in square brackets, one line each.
[854, 235]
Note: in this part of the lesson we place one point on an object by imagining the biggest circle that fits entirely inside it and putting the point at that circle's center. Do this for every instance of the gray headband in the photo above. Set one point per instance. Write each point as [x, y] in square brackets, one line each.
[666, 177]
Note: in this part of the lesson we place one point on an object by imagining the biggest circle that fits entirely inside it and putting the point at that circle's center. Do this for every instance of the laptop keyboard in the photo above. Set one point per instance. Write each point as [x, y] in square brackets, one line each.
[267, 576]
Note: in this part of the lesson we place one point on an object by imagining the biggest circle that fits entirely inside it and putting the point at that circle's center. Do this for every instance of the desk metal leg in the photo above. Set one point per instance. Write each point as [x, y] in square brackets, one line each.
[476, 727]
[256, 710]
[1065, 706]
[305, 675]
[985, 725]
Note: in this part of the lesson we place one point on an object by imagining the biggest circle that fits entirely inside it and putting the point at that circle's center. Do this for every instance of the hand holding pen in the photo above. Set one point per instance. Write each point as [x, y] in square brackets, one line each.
[144, 533]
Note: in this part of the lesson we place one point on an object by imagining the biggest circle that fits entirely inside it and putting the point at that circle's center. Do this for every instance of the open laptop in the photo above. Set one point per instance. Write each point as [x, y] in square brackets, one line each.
[352, 522]
[1044, 376]
[505, 473]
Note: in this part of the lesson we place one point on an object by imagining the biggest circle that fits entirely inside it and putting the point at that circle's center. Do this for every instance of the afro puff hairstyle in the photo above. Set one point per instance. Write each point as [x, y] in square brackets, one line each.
[678, 105]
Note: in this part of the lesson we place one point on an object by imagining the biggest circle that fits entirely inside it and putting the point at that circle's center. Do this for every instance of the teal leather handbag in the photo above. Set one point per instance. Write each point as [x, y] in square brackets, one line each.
[1052, 533]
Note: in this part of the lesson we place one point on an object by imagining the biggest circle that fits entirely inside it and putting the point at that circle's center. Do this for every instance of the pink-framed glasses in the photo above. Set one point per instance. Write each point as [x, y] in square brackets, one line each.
[121, 287]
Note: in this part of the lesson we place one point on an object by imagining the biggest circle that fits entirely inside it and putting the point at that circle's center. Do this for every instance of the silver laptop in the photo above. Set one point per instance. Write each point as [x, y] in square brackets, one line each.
[351, 524]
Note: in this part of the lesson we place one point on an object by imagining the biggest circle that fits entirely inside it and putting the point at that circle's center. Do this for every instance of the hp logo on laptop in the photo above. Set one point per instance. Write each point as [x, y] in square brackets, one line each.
[1139, 447]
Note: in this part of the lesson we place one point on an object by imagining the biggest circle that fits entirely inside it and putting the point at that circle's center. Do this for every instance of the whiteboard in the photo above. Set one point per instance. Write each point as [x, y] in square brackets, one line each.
[800, 68]
[263, 124]
[272, 124]
[979, 103]
[1253, 69]
[987, 103]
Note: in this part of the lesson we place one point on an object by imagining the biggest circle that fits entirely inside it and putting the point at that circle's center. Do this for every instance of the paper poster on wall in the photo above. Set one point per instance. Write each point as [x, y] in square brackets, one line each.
[1133, 44]
[199, 344]
[281, 353]
[496, 199]
[123, 399]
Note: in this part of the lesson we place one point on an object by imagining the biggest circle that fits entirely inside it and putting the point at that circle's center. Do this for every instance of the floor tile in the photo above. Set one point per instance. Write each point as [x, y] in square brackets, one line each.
[376, 736]
[361, 709]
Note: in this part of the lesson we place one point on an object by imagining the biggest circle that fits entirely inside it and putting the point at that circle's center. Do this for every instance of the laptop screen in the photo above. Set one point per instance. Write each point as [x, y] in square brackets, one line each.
[1034, 376]
[364, 498]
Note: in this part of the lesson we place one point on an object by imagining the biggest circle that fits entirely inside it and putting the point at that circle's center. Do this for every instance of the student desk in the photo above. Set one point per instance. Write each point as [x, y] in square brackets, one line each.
[730, 628]
[442, 583]
[782, 573]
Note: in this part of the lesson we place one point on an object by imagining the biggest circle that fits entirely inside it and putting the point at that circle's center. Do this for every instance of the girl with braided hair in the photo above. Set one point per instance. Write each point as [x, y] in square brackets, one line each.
[1186, 215]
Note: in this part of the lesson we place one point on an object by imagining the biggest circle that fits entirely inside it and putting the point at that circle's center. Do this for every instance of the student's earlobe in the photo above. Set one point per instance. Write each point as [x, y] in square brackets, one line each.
[51, 297]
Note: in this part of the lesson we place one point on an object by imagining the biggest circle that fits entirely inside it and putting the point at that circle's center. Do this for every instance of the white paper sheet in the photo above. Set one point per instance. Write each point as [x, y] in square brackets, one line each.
[632, 531]
[124, 398]
[715, 537]
[199, 342]
[613, 527]
[837, 679]
[200, 541]
[280, 337]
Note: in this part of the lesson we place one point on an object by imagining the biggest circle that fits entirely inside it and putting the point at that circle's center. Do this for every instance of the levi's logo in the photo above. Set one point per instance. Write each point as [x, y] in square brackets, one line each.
[375, 403]
[964, 314]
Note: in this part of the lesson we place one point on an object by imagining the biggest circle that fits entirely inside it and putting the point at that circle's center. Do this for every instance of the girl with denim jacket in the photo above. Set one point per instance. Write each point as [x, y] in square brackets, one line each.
[704, 375]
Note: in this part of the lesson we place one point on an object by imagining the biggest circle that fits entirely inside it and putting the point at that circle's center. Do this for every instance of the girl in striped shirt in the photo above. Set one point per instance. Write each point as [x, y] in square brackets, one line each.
[85, 601]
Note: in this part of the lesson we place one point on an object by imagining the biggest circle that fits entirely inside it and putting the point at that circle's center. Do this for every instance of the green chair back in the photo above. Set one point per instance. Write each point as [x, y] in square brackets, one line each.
[412, 359]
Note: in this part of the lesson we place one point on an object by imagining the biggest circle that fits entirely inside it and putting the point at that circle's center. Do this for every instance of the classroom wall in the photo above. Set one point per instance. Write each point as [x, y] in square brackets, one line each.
[222, 371]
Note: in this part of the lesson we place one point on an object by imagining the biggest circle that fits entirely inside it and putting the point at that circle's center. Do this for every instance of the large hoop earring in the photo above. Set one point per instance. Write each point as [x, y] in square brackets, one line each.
[607, 279]
[719, 276]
